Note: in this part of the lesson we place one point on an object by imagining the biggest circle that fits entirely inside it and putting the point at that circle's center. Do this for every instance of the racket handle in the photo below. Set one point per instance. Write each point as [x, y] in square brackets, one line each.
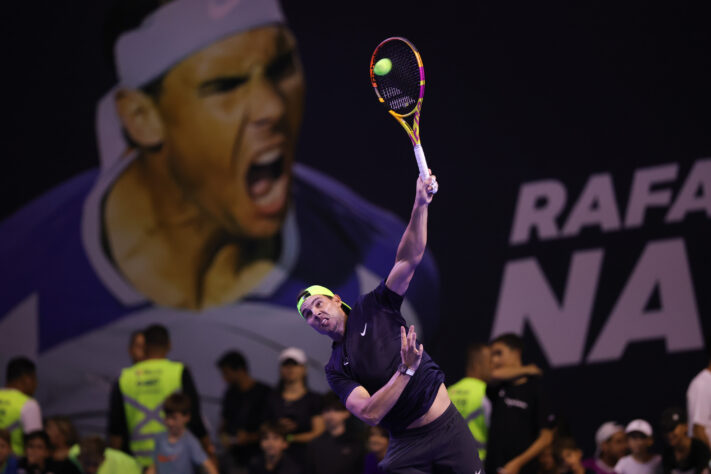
[422, 165]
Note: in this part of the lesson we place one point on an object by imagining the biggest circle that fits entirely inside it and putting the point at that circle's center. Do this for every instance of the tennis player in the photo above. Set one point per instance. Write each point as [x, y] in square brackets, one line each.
[381, 372]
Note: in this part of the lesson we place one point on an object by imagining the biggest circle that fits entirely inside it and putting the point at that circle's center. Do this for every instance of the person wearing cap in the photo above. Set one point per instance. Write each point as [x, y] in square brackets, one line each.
[198, 205]
[683, 454]
[611, 443]
[698, 402]
[382, 382]
[640, 460]
[294, 406]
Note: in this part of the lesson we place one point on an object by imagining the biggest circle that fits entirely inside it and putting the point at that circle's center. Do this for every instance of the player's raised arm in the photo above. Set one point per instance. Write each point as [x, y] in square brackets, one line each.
[412, 245]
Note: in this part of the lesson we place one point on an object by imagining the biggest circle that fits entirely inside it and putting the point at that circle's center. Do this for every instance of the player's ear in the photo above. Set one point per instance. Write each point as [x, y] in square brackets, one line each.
[140, 118]
[337, 299]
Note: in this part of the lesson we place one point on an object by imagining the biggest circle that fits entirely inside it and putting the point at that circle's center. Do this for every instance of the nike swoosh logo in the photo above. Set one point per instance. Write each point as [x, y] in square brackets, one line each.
[217, 9]
[365, 328]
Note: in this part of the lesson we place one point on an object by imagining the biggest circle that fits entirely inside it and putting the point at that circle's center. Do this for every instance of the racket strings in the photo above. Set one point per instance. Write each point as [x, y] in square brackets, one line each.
[400, 88]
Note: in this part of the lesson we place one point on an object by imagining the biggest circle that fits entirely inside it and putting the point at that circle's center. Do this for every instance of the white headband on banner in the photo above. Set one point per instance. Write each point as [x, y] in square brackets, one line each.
[166, 37]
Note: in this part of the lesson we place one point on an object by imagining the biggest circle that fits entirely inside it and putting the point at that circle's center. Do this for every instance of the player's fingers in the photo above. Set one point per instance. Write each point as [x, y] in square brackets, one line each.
[403, 338]
[421, 350]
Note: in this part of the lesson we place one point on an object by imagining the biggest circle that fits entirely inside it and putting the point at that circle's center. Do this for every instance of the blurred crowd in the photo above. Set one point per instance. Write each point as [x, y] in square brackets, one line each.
[155, 423]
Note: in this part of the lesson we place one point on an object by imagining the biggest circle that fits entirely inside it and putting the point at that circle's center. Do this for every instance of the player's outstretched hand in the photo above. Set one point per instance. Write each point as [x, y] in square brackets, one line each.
[410, 354]
[426, 189]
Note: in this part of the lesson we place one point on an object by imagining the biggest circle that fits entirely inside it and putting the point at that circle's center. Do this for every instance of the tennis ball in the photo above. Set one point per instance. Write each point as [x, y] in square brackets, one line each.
[383, 67]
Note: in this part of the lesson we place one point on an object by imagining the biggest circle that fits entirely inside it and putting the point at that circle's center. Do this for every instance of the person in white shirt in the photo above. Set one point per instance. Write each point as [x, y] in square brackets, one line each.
[641, 460]
[19, 412]
[698, 403]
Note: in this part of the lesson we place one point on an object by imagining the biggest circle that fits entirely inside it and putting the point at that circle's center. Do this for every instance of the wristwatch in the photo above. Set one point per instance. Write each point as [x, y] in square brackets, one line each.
[404, 369]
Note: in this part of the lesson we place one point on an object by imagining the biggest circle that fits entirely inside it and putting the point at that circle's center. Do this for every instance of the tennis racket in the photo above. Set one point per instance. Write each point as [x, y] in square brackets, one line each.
[398, 77]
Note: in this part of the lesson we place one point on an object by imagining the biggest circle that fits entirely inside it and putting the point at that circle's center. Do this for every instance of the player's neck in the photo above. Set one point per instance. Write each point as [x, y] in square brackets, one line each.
[171, 250]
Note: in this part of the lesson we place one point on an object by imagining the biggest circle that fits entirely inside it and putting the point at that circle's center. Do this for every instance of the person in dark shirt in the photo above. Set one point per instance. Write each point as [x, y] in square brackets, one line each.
[296, 408]
[383, 382]
[337, 450]
[38, 458]
[521, 421]
[273, 459]
[683, 455]
[243, 406]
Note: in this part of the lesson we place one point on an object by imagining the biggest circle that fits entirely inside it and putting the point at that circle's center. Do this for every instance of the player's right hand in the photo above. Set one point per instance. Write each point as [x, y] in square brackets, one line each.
[410, 354]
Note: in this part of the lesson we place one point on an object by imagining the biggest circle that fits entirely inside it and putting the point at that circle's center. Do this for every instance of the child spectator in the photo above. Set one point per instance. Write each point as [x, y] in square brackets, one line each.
[641, 460]
[177, 450]
[684, 454]
[273, 458]
[377, 445]
[37, 458]
[94, 457]
[611, 444]
[571, 456]
[338, 450]
[8, 461]
[62, 436]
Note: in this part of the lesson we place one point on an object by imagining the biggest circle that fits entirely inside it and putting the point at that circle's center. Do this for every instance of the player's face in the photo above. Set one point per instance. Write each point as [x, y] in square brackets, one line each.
[325, 315]
[231, 114]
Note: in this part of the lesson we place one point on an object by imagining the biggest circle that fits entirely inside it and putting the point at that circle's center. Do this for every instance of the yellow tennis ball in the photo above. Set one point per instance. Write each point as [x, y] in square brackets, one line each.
[383, 67]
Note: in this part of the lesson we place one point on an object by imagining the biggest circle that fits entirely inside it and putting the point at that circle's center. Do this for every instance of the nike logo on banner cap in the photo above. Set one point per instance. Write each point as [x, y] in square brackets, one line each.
[217, 9]
[365, 328]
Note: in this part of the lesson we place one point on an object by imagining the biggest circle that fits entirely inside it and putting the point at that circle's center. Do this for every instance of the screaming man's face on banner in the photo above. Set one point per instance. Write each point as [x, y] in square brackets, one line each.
[230, 116]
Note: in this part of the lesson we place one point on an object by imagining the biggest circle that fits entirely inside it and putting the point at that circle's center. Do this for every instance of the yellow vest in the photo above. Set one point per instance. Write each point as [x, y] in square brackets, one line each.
[468, 397]
[144, 387]
[11, 403]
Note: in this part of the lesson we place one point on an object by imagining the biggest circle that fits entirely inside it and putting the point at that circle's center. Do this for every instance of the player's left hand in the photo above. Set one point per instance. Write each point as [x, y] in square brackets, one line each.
[511, 467]
[410, 354]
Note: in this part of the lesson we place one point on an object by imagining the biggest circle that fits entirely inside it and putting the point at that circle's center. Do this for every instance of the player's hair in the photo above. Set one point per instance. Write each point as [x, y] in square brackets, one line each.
[66, 428]
[177, 403]
[271, 427]
[510, 340]
[331, 401]
[5, 435]
[18, 367]
[157, 336]
[233, 360]
[37, 434]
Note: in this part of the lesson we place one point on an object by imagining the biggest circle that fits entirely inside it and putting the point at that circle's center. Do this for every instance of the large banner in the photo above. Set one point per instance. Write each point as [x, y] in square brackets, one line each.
[198, 162]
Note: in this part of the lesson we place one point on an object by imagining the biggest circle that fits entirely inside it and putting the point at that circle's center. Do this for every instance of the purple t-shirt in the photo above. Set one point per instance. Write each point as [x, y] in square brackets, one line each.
[370, 354]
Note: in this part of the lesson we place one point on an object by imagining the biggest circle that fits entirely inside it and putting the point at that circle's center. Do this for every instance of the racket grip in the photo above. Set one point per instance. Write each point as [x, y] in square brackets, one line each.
[422, 165]
[421, 162]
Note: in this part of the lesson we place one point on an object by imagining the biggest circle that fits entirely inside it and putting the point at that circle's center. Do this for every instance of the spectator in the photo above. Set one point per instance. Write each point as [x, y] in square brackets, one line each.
[243, 406]
[683, 455]
[62, 436]
[8, 461]
[294, 406]
[137, 347]
[177, 450]
[38, 460]
[273, 458]
[611, 446]
[377, 445]
[641, 460]
[469, 394]
[337, 450]
[94, 457]
[698, 403]
[21, 413]
[521, 419]
[140, 392]
[571, 456]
